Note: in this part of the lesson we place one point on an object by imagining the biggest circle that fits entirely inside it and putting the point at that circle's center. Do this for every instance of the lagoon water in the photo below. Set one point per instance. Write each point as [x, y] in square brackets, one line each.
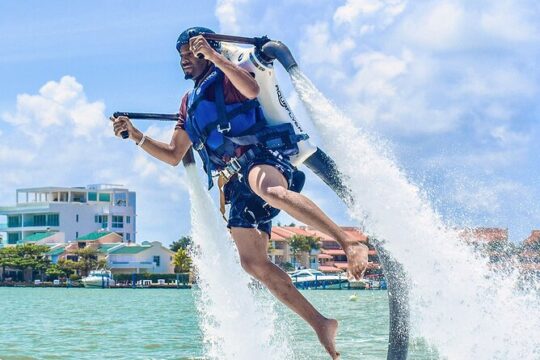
[48, 323]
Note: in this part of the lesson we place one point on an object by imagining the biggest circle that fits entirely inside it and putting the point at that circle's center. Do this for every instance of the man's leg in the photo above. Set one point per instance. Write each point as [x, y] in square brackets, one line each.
[270, 184]
[252, 246]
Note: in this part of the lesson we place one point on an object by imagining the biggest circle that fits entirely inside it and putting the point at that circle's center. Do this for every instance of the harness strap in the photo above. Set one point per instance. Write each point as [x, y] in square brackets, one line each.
[222, 122]
[223, 117]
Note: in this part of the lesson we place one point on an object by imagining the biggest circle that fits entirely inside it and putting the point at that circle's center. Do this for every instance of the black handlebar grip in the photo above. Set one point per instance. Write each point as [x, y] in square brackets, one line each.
[125, 133]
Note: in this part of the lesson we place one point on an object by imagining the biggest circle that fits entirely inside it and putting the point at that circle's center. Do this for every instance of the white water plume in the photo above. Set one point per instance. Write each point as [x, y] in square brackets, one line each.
[457, 304]
[237, 322]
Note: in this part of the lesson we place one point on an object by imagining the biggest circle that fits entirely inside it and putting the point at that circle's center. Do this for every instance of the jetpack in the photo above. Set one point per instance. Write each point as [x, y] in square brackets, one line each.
[257, 55]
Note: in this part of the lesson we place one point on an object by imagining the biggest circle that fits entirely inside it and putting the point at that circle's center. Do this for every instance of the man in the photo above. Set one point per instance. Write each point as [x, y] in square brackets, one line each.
[215, 118]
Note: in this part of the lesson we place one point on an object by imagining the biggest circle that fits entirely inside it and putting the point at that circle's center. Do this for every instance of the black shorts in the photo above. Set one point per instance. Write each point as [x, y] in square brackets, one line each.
[249, 210]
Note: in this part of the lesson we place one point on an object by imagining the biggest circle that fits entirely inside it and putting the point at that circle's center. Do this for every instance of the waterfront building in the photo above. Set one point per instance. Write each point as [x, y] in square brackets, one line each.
[73, 211]
[121, 257]
[150, 257]
[330, 258]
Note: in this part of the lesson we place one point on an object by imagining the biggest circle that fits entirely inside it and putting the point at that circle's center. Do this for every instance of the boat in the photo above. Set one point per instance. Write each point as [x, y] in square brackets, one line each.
[99, 279]
[315, 278]
[367, 283]
[358, 284]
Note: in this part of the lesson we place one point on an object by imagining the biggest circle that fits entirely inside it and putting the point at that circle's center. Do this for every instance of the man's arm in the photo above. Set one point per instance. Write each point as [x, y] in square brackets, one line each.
[240, 78]
[171, 153]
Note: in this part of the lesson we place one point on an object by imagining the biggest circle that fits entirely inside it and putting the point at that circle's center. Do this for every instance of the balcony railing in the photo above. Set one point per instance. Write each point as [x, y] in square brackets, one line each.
[131, 264]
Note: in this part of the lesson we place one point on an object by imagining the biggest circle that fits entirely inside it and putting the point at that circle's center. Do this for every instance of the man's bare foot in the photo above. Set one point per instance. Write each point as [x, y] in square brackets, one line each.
[327, 336]
[357, 259]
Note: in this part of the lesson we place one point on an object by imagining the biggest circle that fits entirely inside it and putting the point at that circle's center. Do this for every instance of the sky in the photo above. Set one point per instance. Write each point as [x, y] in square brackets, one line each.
[451, 88]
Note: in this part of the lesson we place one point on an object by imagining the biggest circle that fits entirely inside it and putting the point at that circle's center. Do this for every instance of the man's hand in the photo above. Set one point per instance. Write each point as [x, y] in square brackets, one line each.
[199, 45]
[122, 123]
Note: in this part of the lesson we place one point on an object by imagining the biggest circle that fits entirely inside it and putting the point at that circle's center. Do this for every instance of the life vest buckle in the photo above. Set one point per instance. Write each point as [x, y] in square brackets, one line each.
[199, 146]
[232, 168]
[224, 129]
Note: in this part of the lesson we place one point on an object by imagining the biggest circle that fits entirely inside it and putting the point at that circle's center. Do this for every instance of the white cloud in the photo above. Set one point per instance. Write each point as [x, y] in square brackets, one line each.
[495, 81]
[486, 197]
[365, 16]
[227, 12]
[438, 26]
[376, 74]
[509, 138]
[431, 67]
[508, 22]
[58, 138]
[319, 46]
[58, 105]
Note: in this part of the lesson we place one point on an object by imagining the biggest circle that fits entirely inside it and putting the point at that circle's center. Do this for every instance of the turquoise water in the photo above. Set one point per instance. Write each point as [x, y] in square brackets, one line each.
[48, 323]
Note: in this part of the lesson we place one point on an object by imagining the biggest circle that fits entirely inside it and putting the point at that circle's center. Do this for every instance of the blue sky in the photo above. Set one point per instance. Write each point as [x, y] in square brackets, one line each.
[451, 86]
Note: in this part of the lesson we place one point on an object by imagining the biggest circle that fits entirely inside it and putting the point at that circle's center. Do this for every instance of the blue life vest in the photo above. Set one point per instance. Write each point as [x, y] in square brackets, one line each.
[217, 129]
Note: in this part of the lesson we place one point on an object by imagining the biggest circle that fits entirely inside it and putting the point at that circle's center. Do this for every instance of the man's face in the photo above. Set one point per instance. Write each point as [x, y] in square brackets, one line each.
[192, 66]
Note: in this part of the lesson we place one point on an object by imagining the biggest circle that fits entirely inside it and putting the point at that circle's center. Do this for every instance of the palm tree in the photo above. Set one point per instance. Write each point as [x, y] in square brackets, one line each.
[182, 262]
[183, 243]
[298, 244]
[314, 243]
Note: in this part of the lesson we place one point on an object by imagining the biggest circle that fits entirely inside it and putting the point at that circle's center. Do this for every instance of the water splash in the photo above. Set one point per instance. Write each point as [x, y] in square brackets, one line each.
[237, 321]
[457, 304]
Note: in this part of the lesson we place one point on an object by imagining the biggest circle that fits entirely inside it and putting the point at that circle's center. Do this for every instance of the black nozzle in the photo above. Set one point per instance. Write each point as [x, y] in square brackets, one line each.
[272, 50]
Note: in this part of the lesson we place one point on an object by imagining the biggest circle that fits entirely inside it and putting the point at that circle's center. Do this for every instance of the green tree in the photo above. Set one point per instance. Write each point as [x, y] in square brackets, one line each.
[68, 266]
[314, 243]
[8, 256]
[88, 259]
[183, 243]
[33, 257]
[55, 271]
[182, 262]
[298, 244]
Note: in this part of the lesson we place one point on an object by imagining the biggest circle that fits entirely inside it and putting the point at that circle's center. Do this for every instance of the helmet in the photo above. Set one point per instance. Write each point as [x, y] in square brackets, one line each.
[184, 37]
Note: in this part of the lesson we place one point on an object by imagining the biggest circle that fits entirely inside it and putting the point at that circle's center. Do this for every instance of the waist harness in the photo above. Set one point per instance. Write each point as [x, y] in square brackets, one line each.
[217, 129]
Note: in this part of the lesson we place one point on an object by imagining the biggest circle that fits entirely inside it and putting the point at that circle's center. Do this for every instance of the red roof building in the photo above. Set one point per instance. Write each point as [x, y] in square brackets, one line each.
[330, 257]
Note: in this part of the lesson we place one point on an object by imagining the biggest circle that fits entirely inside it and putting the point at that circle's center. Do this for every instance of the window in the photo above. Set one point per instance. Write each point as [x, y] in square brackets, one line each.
[40, 220]
[120, 199]
[117, 221]
[128, 219]
[92, 196]
[14, 221]
[103, 220]
[35, 220]
[77, 218]
[53, 220]
[78, 197]
[13, 238]
[76, 235]
[64, 196]
[105, 197]
[156, 260]
[128, 236]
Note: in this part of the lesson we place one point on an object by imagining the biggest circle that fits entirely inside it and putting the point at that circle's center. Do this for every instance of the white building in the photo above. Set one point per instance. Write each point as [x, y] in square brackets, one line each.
[150, 257]
[74, 211]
